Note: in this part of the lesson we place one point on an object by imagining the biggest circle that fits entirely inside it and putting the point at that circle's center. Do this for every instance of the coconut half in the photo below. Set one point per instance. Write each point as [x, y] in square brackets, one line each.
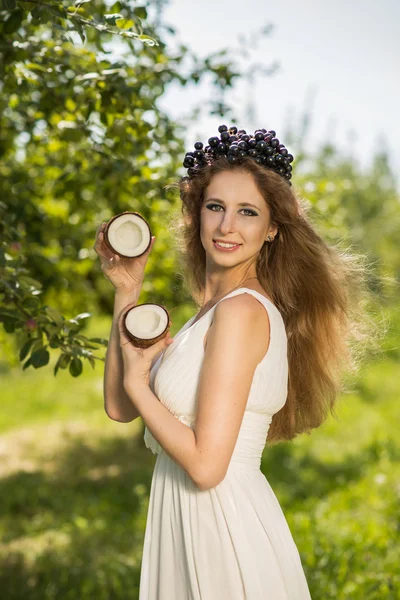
[128, 234]
[146, 324]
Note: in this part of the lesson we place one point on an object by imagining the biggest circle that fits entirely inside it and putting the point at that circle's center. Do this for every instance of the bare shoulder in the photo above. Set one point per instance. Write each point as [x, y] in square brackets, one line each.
[245, 319]
[245, 305]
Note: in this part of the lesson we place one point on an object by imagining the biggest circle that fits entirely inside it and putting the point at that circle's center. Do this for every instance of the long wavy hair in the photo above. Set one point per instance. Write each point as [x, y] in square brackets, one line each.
[319, 289]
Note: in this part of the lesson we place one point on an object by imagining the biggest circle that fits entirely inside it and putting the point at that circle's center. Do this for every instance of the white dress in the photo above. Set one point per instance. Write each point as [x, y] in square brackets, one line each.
[231, 542]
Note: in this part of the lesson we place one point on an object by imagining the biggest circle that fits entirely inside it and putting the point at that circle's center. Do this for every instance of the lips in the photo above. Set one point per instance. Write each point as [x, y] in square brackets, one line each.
[226, 242]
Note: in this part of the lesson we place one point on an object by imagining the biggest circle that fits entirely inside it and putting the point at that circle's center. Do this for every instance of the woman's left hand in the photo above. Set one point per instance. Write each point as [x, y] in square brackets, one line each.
[137, 361]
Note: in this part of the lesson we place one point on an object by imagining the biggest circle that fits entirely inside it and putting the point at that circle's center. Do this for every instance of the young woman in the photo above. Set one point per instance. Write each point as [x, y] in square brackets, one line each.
[261, 362]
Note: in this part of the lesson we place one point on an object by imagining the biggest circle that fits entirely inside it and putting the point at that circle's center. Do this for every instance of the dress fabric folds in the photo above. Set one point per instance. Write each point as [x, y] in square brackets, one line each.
[230, 542]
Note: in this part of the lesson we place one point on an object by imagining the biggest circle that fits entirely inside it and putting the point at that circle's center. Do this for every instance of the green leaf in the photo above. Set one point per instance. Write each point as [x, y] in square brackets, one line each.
[27, 364]
[14, 22]
[85, 341]
[75, 368]
[40, 358]
[101, 341]
[38, 344]
[62, 362]
[54, 342]
[9, 325]
[36, 12]
[55, 315]
[92, 361]
[124, 23]
[140, 11]
[148, 40]
[23, 353]
[112, 17]
[9, 5]
[31, 302]
[6, 313]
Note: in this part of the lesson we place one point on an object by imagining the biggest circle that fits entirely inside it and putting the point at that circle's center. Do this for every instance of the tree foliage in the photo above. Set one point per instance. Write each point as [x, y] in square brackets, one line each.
[81, 139]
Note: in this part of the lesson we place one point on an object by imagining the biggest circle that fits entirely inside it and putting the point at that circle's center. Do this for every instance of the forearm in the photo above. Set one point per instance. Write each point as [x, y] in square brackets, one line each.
[117, 403]
[177, 439]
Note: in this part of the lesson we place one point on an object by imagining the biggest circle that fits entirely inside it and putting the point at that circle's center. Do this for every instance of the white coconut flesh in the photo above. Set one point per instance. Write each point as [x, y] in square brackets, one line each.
[146, 321]
[129, 235]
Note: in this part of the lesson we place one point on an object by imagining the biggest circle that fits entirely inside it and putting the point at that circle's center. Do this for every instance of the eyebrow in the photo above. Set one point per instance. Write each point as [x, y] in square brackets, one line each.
[240, 203]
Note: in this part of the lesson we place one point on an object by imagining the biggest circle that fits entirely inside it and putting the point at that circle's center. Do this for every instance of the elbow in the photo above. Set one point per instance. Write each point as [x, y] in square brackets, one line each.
[119, 417]
[208, 479]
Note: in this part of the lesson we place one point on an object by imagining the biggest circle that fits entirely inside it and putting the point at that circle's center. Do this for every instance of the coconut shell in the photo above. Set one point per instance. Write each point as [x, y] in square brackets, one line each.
[105, 233]
[143, 343]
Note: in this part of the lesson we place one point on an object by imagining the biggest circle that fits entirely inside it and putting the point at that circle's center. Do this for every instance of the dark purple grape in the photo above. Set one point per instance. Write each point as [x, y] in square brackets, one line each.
[258, 135]
[233, 159]
[274, 142]
[222, 148]
[290, 157]
[253, 152]
[213, 141]
[243, 146]
[198, 145]
[272, 133]
[234, 150]
[252, 143]
[225, 136]
[261, 146]
[222, 128]
[233, 130]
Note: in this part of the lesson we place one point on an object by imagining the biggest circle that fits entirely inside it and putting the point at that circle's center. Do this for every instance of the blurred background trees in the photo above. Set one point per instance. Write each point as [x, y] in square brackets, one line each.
[82, 139]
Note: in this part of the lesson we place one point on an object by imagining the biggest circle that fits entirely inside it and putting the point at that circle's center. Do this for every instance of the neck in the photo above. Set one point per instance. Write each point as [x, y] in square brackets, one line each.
[212, 298]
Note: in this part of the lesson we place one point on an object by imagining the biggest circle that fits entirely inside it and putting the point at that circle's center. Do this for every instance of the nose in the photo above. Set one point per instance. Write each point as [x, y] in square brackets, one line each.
[227, 224]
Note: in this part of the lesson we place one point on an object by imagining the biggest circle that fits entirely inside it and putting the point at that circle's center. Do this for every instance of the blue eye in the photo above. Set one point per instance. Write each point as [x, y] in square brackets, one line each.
[252, 213]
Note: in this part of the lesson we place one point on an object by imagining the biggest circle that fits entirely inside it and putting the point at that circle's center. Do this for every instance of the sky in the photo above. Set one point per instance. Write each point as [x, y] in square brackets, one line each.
[340, 60]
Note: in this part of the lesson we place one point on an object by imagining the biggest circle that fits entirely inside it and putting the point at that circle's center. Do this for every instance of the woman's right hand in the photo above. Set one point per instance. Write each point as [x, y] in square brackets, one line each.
[125, 274]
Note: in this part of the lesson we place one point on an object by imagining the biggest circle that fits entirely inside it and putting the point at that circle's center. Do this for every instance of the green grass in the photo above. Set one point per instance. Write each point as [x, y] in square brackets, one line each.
[75, 485]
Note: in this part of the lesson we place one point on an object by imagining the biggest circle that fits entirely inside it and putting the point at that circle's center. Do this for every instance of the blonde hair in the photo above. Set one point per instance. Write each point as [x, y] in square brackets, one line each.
[319, 289]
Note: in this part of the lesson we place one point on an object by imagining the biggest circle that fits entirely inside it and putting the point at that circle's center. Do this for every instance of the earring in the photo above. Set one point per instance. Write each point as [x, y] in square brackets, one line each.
[270, 238]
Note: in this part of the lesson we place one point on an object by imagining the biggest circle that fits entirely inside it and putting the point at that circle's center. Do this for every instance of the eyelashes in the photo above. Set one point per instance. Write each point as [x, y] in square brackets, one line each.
[252, 213]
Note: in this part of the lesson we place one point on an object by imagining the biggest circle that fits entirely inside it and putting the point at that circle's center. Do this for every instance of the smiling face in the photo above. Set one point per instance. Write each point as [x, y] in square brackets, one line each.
[234, 210]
